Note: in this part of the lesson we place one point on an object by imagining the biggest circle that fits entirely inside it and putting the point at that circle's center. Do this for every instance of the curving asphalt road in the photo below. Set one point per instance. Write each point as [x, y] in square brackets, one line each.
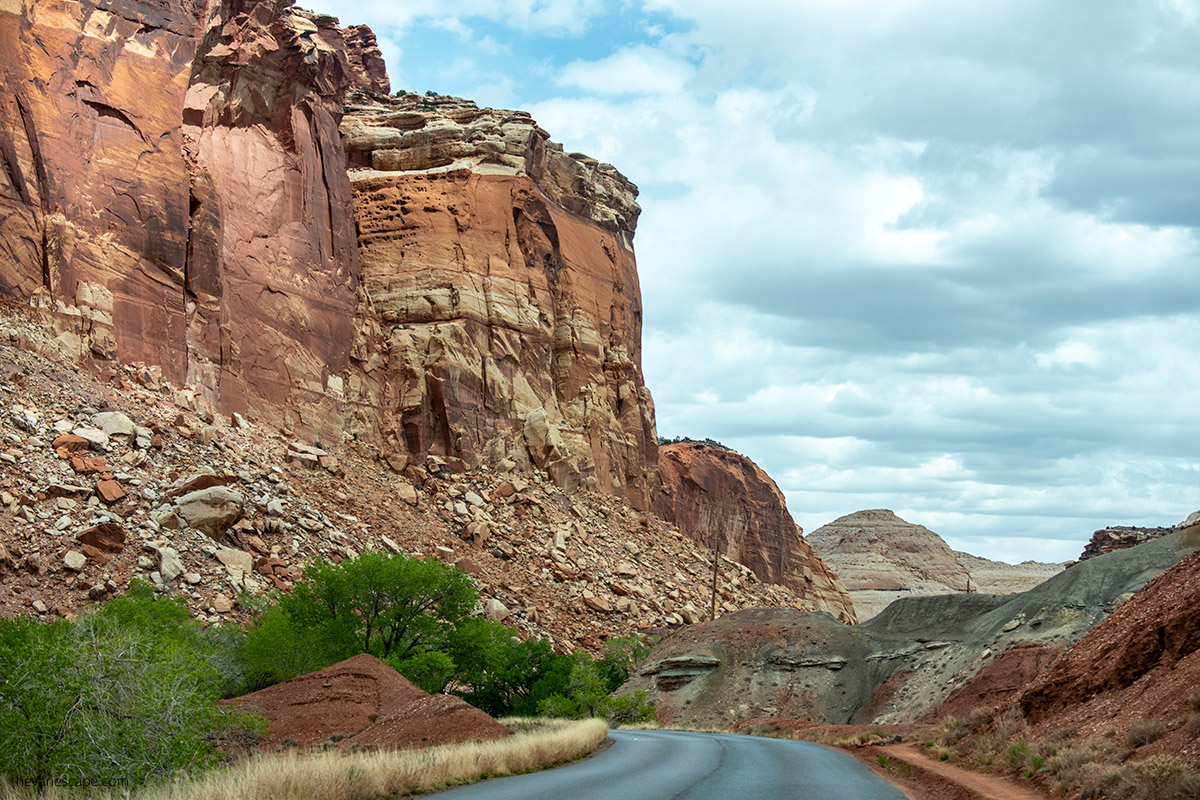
[678, 765]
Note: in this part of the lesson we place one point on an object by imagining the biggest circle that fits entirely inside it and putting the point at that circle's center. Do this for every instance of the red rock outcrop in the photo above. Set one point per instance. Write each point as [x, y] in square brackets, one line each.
[1119, 537]
[367, 69]
[173, 191]
[503, 313]
[714, 494]
[1153, 633]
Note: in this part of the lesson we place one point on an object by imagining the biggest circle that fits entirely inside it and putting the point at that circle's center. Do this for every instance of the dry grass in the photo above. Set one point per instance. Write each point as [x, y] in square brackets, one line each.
[361, 776]
[1143, 732]
[1160, 778]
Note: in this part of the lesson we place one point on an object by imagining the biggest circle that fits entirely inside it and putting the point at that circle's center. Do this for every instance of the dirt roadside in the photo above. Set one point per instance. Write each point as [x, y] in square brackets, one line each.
[928, 779]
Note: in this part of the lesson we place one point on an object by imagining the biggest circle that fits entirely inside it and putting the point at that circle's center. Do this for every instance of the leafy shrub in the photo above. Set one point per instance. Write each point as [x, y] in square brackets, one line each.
[121, 696]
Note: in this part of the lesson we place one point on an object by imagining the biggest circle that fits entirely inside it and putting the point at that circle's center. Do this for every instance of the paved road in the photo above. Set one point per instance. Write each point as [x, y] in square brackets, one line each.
[675, 765]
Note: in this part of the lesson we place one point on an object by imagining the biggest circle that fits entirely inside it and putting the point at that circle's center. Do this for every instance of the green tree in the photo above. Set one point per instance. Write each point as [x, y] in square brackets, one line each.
[404, 610]
[121, 696]
[509, 675]
[587, 694]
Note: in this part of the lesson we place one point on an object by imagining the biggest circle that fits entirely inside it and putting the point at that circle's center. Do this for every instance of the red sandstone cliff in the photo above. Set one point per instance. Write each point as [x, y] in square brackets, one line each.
[174, 191]
[714, 494]
[504, 313]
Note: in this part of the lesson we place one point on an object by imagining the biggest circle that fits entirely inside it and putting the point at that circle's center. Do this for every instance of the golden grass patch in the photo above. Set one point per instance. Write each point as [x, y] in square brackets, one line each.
[362, 776]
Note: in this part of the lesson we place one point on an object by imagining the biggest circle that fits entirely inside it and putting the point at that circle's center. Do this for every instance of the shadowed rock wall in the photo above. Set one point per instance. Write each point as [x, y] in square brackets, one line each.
[714, 494]
[173, 190]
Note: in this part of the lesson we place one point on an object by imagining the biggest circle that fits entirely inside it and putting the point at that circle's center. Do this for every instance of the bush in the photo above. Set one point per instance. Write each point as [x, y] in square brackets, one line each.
[587, 695]
[1160, 778]
[122, 696]
[1144, 732]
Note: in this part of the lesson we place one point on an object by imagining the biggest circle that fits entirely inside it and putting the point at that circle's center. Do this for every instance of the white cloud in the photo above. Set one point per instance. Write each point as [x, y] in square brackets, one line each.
[636, 70]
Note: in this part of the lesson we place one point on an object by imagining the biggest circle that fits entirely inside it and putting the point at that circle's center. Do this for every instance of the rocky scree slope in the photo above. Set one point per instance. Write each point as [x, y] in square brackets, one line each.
[881, 558]
[898, 666]
[105, 481]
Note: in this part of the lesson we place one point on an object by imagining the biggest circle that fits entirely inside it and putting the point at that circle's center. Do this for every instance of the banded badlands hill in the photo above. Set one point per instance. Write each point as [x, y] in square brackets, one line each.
[265, 263]
[882, 558]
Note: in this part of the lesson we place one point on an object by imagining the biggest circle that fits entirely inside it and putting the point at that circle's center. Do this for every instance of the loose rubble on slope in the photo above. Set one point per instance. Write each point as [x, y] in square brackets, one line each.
[103, 482]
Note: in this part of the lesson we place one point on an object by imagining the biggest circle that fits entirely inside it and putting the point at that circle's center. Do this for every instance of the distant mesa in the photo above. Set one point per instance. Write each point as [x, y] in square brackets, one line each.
[881, 558]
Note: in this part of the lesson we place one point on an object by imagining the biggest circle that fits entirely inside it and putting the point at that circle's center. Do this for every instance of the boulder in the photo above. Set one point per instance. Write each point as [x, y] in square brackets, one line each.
[213, 510]
[114, 423]
[196, 482]
[493, 609]
[107, 536]
[237, 559]
[75, 561]
[110, 491]
[67, 443]
[170, 565]
[96, 438]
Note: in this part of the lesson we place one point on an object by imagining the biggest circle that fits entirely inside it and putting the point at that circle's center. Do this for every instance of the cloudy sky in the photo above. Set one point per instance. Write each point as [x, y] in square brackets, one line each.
[928, 255]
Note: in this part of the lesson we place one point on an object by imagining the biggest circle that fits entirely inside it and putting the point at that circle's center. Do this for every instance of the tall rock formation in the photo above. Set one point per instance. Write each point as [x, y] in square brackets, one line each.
[503, 310]
[714, 494]
[880, 558]
[173, 190]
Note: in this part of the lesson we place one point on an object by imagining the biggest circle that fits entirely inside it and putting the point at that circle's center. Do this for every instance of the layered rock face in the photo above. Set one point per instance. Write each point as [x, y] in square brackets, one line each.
[880, 558]
[718, 495]
[173, 191]
[503, 312]
[94, 185]
[272, 271]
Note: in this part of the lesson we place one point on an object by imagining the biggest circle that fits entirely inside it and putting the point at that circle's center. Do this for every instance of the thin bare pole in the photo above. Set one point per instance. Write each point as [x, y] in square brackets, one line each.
[716, 563]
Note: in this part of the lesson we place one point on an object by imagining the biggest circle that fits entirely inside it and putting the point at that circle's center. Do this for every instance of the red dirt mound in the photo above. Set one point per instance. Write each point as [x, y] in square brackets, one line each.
[364, 701]
[1000, 682]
